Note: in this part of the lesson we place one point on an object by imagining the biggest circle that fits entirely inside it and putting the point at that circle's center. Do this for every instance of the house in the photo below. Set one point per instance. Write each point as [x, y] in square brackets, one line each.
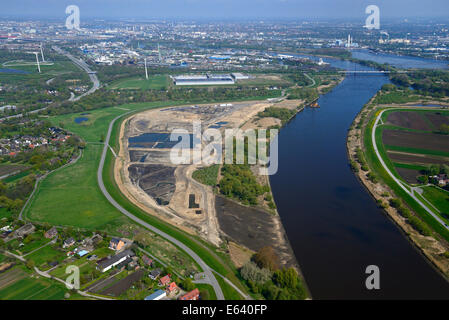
[172, 287]
[192, 295]
[82, 253]
[24, 230]
[53, 232]
[157, 295]
[68, 242]
[165, 280]
[147, 260]
[154, 274]
[442, 180]
[116, 244]
[106, 264]
[124, 263]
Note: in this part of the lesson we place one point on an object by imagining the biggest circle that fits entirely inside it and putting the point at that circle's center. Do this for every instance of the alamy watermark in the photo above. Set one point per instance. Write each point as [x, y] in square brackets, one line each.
[373, 20]
[260, 148]
[73, 280]
[372, 282]
[73, 20]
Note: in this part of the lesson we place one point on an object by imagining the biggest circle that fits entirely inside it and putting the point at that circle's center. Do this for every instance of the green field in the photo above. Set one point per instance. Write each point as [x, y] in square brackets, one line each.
[228, 291]
[156, 82]
[208, 288]
[71, 197]
[207, 175]
[439, 198]
[33, 289]
[46, 254]
[47, 71]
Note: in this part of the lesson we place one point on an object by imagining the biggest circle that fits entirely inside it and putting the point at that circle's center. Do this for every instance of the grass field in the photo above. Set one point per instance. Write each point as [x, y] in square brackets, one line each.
[228, 291]
[439, 198]
[156, 82]
[208, 288]
[207, 176]
[33, 289]
[46, 254]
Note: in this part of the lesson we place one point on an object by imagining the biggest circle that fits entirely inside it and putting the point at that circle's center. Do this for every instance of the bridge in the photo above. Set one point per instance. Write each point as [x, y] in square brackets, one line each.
[370, 71]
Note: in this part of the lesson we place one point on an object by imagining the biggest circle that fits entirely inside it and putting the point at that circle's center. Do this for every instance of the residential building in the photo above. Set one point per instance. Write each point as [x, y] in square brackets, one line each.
[24, 230]
[106, 264]
[68, 242]
[192, 295]
[165, 280]
[172, 287]
[53, 232]
[154, 274]
[147, 260]
[116, 244]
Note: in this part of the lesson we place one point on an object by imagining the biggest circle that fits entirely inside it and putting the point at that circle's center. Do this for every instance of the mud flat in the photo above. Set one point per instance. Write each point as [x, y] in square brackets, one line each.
[254, 228]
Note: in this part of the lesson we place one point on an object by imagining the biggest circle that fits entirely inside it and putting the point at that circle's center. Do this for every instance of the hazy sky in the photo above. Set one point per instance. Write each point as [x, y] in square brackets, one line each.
[226, 8]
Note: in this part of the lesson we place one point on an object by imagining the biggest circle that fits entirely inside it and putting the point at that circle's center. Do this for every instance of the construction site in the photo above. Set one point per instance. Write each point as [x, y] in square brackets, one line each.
[146, 175]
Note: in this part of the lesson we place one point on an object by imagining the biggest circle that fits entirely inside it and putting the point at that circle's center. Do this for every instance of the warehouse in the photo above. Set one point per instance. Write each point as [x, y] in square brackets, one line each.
[201, 80]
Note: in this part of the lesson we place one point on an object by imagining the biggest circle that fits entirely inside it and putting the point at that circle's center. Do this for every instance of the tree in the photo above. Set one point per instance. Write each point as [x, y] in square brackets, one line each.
[266, 258]
[444, 128]
[286, 278]
[252, 273]
[187, 284]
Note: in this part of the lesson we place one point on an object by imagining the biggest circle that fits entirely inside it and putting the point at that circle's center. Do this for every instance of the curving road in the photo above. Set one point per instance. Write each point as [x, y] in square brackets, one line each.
[83, 65]
[399, 182]
[80, 63]
[210, 278]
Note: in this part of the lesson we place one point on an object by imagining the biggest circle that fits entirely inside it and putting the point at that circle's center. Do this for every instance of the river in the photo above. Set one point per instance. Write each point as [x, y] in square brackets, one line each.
[334, 226]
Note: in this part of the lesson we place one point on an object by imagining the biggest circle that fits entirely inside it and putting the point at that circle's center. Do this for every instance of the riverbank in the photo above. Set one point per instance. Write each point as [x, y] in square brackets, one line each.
[435, 250]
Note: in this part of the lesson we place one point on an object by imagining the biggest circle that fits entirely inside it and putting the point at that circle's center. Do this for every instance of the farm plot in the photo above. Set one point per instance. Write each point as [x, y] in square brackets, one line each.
[32, 289]
[407, 139]
[408, 119]
[124, 284]
[7, 169]
[420, 159]
[437, 119]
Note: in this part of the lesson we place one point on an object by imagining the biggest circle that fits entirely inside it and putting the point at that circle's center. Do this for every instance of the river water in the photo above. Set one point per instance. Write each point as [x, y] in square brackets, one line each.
[334, 226]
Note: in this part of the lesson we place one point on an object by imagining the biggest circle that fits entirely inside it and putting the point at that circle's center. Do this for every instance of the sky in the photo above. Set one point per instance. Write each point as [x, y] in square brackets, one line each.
[226, 9]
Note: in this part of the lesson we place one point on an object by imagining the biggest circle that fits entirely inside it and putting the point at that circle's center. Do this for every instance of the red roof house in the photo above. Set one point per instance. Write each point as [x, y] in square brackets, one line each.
[165, 280]
[192, 295]
[171, 287]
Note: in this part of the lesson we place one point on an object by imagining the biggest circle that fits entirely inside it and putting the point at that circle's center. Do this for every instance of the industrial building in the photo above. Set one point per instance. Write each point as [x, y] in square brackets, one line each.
[239, 76]
[201, 80]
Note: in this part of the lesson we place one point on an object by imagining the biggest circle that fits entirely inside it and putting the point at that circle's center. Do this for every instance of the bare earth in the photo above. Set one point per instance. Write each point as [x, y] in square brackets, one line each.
[201, 218]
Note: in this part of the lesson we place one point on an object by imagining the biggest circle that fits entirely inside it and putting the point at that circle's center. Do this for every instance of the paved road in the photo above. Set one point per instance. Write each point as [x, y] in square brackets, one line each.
[80, 63]
[209, 275]
[311, 79]
[46, 275]
[83, 65]
[399, 182]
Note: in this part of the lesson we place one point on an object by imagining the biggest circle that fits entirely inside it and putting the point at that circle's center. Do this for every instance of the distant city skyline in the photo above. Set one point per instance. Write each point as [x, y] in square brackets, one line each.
[226, 9]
